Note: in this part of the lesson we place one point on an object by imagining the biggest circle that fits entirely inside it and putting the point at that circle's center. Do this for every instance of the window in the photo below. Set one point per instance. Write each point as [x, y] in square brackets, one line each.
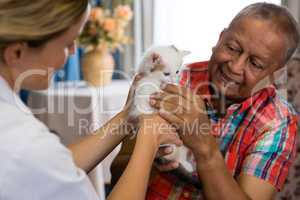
[193, 24]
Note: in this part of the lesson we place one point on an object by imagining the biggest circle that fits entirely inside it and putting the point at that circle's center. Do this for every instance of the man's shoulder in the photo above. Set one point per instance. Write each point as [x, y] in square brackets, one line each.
[279, 106]
[274, 111]
[198, 65]
[195, 74]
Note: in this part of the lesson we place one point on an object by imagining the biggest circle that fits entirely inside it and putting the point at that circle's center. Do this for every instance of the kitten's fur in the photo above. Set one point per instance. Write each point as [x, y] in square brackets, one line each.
[159, 64]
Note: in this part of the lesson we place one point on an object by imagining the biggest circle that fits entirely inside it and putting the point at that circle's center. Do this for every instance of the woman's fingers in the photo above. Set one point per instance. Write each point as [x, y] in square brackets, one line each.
[132, 89]
[171, 137]
[164, 132]
[138, 77]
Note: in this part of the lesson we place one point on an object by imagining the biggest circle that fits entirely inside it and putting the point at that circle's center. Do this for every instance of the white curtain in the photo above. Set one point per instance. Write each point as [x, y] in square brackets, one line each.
[193, 24]
[142, 34]
[294, 7]
[143, 27]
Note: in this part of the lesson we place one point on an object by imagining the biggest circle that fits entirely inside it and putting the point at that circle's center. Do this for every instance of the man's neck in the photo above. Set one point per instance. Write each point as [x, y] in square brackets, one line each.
[220, 104]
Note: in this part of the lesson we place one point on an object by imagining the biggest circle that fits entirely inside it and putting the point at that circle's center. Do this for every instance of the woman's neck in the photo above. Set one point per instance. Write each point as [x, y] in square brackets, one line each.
[6, 74]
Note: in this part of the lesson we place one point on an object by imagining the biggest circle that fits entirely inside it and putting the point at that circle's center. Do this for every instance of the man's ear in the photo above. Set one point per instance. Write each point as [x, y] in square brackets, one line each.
[220, 38]
[13, 52]
[222, 33]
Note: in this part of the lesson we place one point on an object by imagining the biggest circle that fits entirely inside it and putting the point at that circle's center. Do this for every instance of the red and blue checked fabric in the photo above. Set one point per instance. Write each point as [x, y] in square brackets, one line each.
[257, 137]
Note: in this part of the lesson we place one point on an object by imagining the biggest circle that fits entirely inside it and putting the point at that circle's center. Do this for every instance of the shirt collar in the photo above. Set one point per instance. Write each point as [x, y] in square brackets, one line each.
[197, 78]
[7, 95]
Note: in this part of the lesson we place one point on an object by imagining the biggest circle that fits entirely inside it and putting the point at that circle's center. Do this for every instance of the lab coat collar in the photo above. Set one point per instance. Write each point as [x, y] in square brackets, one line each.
[7, 95]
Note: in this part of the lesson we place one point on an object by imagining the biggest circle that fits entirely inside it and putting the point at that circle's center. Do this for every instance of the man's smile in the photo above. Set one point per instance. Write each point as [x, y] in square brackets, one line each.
[225, 78]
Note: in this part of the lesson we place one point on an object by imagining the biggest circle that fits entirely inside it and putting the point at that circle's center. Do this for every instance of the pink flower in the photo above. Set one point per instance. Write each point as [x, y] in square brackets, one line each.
[123, 12]
[106, 28]
[97, 14]
[109, 25]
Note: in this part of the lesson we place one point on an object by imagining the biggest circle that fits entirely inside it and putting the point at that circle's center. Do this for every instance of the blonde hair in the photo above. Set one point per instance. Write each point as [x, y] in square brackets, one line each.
[37, 21]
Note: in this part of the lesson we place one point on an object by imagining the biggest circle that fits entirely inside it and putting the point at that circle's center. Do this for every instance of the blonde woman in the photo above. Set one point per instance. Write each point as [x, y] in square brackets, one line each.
[36, 37]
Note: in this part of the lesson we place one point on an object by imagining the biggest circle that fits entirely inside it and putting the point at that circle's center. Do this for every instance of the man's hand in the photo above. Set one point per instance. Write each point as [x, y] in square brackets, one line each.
[186, 111]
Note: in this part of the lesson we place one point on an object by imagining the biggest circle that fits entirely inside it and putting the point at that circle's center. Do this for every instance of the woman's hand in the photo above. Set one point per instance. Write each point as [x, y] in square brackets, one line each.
[186, 111]
[157, 131]
[153, 131]
[131, 92]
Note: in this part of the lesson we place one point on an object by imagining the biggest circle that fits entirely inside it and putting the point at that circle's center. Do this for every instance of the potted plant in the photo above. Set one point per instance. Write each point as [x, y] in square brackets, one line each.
[104, 32]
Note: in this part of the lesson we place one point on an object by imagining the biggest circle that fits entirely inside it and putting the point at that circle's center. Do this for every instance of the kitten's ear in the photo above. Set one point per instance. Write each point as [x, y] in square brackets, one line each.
[155, 58]
[184, 53]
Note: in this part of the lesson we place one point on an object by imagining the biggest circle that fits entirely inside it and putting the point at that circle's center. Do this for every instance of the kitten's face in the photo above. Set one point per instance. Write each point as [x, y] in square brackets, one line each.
[166, 59]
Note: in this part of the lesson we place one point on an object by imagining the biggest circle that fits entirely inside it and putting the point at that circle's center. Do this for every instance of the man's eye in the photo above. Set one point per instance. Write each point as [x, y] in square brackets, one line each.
[256, 64]
[232, 48]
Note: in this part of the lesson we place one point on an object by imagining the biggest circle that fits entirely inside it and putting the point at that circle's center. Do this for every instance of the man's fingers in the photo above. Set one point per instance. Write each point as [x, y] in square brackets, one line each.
[167, 106]
[174, 120]
[179, 90]
[174, 99]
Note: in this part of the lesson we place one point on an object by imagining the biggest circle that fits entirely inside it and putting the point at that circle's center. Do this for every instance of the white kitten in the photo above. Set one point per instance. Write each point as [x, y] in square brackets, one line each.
[159, 64]
[171, 60]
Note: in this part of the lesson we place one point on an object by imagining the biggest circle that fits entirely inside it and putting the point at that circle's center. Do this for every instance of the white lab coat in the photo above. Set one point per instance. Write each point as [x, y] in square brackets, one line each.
[34, 165]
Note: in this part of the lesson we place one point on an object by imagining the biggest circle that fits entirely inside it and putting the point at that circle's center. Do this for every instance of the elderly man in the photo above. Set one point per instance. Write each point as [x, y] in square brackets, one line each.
[243, 136]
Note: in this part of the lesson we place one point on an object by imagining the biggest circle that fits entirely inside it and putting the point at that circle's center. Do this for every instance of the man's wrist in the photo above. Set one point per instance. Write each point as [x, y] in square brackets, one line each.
[209, 162]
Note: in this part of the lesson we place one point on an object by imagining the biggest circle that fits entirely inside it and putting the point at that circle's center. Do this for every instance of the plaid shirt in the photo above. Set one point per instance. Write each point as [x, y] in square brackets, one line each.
[256, 137]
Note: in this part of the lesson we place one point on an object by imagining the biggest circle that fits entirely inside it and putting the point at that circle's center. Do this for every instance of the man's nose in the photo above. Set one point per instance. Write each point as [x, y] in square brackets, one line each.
[237, 65]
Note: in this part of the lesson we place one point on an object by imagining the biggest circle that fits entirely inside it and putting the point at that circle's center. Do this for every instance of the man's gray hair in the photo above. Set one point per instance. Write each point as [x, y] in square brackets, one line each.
[280, 17]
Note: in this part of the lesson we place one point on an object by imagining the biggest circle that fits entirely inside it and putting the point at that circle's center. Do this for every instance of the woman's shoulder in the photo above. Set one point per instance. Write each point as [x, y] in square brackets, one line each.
[32, 156]
[17, 123]
[29, 151]
[25, 138]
